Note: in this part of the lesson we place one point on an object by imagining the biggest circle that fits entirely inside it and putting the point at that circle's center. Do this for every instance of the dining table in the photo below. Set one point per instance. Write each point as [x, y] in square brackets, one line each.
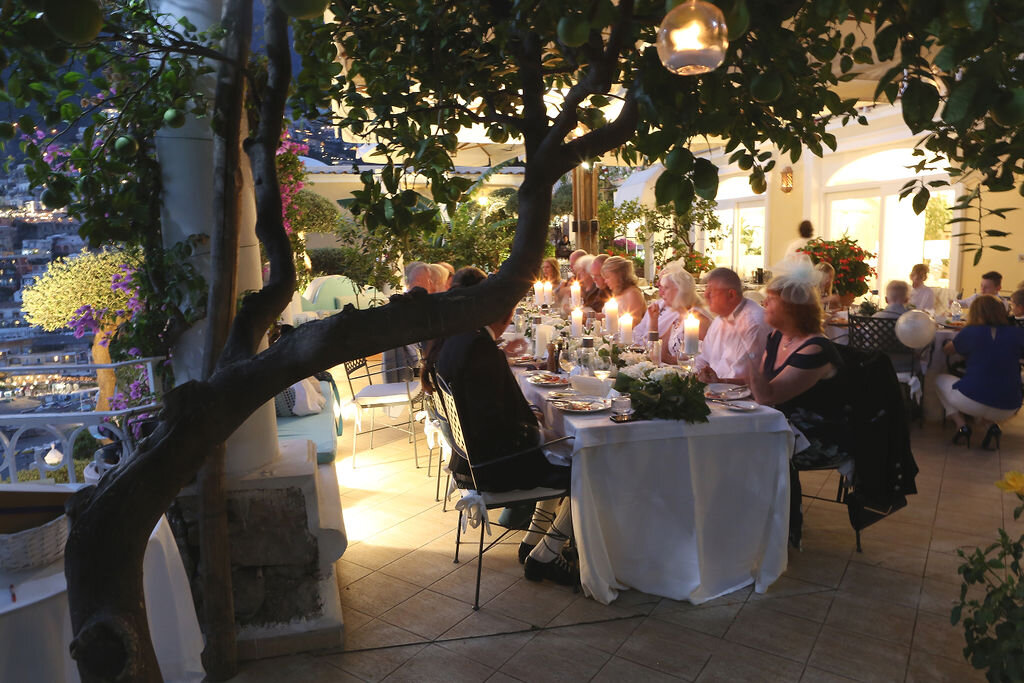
[35, 620]
[680, 510]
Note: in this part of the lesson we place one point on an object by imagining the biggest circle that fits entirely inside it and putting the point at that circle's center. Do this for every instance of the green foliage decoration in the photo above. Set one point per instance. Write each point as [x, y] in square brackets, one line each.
[994, 623]
[663, 392]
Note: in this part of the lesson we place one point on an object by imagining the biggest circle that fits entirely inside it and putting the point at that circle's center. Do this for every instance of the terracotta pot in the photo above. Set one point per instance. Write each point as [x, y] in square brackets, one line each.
[847, 299]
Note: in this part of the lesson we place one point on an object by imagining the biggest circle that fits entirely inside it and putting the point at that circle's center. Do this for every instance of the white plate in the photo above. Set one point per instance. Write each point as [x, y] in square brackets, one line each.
[568, 393]
[583, 404]
[543, 378]
[726, 391]
[742, 406]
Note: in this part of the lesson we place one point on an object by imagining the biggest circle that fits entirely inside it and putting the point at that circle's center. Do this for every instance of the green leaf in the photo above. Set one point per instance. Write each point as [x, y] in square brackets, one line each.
[921, 200]
[998, 247]
[920, 100]
[976, 13]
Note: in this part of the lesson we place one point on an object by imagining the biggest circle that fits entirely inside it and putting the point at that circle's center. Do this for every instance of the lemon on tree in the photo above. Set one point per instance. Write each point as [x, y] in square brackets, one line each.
[52, 199]
[766, 87]
[74, 21]
[1009, 108]
[573, 30]
[126, 146]
[175, 118]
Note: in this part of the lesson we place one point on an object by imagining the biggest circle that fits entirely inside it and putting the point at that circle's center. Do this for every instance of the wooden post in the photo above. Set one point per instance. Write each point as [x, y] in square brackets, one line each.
[584, 206]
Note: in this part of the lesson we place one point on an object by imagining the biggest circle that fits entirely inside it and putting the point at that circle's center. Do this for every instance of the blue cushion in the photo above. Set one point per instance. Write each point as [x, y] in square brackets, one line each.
[322, 429]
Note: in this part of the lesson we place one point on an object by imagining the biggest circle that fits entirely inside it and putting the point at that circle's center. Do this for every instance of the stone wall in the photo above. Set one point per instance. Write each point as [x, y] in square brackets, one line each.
[274, 559]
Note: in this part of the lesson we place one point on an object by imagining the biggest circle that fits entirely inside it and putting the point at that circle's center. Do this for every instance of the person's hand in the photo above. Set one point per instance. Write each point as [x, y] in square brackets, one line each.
[707, 375]
[654, 311]
[948, 348]
[515, 347]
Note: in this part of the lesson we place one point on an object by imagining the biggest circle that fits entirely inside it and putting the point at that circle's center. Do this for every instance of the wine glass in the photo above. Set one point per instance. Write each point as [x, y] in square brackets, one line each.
[601, 366]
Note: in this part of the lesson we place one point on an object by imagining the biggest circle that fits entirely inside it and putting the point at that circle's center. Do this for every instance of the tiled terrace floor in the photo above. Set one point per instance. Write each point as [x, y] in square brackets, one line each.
[836, 615]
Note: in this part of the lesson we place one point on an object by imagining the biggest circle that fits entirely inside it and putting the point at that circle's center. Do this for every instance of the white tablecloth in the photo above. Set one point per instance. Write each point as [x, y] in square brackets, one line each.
[685, 511]
[35, 630]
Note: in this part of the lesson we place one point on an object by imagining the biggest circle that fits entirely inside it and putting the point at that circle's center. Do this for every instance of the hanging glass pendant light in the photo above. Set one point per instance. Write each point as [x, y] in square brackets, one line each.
[693, 38]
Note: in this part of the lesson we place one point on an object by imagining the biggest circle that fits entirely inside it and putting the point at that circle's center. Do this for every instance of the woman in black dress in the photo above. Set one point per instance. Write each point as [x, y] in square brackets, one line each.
[798, 375]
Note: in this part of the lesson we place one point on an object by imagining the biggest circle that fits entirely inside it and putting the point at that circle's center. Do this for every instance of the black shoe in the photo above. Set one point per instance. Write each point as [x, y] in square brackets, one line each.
[524, 551]
[962, 434]
[558, 570]
[994, 433]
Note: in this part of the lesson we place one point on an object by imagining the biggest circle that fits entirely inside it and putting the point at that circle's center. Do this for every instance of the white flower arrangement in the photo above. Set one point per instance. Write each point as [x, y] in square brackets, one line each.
[633, 357]
[638, 370]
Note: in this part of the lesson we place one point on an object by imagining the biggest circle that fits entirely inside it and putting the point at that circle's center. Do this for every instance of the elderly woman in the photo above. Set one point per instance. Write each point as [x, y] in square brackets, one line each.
[680, 294]
[798, 375]
[621, 280]
[990, 390]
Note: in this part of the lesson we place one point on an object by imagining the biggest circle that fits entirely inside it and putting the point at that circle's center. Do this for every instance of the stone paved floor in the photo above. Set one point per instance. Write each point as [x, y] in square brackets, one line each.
[836, 615]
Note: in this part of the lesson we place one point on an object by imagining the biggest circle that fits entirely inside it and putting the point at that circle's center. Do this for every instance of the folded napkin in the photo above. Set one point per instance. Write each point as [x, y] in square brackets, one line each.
[591, 386]
[913, 384]
[474, 511]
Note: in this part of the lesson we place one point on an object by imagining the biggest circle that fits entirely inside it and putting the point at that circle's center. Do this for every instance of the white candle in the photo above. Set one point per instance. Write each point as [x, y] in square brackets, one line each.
[542, 335]
[577, 296]
[577, 322]
[538, 292]
[611, 315]
[626, 328]
[691, 334]
[547, 293]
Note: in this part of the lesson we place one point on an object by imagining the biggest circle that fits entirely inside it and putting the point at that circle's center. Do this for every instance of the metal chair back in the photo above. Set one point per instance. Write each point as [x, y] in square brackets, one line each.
[451, 413]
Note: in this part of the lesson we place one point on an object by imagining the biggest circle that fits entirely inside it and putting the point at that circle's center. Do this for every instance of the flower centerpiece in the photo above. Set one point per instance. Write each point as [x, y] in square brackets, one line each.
[994, 623]
[695, 262]
[848, 259]
[663, 391]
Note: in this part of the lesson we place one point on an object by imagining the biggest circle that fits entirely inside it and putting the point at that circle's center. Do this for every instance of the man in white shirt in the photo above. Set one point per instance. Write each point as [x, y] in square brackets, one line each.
[738, 331]
[991, 283]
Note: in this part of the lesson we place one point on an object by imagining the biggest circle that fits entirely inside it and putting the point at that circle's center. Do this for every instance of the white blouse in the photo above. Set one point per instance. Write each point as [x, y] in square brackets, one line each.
[678, 334]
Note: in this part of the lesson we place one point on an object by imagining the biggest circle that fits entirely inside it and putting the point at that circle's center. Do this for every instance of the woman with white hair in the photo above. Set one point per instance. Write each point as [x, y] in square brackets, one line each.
[798, 375]
[680, 294]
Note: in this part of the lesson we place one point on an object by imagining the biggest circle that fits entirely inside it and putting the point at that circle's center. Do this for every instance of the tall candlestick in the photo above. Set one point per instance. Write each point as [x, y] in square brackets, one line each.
[577, 296]
[611, 315]
[538, 292]
[626, 328]
[577, 322]
[691, 334]
[547, 293]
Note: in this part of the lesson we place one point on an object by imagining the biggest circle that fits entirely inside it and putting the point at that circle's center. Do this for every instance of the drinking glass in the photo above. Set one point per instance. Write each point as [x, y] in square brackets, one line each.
[622, 405]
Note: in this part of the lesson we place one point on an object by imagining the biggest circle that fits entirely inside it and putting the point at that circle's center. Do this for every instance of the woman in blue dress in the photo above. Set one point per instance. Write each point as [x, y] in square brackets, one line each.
[990, 390]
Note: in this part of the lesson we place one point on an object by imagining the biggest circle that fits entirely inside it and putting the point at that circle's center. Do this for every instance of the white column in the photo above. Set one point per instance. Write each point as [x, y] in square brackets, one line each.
[186, 160]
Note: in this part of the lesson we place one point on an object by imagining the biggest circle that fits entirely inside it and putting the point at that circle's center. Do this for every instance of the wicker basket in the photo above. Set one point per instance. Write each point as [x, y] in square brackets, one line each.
[35, 547]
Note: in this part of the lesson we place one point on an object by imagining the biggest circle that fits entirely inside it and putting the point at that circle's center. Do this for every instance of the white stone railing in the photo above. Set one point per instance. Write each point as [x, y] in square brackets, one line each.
[66, 426]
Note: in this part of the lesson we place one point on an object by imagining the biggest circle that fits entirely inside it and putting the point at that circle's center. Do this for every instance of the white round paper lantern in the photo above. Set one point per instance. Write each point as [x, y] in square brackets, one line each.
[915, 329]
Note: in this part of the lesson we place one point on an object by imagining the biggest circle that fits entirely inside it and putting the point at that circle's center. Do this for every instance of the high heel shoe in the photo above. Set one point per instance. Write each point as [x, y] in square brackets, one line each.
[962, 434]
[994, 433]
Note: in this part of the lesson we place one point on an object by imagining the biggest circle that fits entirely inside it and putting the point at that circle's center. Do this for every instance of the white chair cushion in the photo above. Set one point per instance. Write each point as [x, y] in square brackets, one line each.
[386, 394]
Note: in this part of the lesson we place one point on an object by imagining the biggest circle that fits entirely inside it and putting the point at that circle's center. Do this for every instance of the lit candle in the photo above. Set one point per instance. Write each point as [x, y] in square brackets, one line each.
[577, 296]
[547, 293]
[691, 334]
[538, 292]
[577, 322]
[611, 315]
[626, 328]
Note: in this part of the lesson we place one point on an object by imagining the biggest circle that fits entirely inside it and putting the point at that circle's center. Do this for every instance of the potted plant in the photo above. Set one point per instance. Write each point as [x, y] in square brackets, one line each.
[850, 262]
[993, 621]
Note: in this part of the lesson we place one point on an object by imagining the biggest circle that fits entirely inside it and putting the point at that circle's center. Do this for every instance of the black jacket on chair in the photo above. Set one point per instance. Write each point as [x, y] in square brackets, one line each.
[884, 464]
[495, 416]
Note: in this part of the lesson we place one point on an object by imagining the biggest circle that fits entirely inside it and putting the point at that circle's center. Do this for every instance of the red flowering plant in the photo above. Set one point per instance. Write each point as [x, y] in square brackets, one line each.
[849, 260]
[694, 262]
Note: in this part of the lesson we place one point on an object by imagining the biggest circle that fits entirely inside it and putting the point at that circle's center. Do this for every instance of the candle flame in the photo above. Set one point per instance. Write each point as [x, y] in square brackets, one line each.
[687, 37]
